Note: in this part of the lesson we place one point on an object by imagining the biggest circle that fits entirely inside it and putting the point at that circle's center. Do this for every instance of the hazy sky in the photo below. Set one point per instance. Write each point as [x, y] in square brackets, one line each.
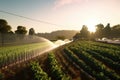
[72, 14]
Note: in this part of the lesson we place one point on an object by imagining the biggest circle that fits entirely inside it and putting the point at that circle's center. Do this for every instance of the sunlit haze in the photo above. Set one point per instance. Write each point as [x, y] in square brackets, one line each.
[67, 14]
[90, 23]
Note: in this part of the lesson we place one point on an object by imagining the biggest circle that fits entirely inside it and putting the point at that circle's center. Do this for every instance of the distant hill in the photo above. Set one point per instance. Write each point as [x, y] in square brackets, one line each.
[68, 34]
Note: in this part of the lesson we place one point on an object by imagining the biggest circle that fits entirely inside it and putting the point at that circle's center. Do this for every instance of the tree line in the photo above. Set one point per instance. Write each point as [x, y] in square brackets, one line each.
[5, 28]
[6, 33]
[101, 32]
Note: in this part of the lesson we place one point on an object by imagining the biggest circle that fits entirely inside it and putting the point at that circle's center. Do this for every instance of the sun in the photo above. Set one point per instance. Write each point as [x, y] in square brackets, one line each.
[91, 25]
[91, 28]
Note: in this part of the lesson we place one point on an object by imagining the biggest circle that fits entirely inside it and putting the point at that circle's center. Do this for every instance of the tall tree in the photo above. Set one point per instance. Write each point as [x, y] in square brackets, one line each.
[99, 31]
[115, 31]
[4, 29]
[21, 30]
[31, 31]
[84, 33]
[76, 36]
[107, 31]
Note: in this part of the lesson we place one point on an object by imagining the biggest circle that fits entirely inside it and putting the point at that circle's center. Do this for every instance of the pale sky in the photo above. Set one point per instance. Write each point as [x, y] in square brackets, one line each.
[72, 14]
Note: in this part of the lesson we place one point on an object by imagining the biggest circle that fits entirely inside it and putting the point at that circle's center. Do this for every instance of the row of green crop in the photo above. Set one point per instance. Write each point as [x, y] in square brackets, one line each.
[37, 72]
[106, 52]
[103, 45]
[108, 61]
[85, 50]
[114, 55]
[84, 66]
[96, 65]
[55, 69]
[9, 55]
[56, 72]
[109, 54]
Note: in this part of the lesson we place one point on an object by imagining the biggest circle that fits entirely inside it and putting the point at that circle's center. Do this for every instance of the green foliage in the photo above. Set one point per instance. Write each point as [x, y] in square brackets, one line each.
[84, 33]
[3, 22]
[93, 57]
[13, 54]
[55, 68]
[115, 31]
[21, 30]
[107, 31]
[76, 36]
[99, 30]
[4, 27]
[37, 71]
[31, 31]
[84, 66]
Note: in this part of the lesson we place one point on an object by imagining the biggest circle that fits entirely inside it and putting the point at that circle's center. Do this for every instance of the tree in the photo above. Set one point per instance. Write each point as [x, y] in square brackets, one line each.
[4, 29]
[99, 31]
[77, 36]
[107, 31]
[11, 32]
[21, 30]
[84, 33]
[115, 31]
[92, 36]
[3, 23]
[31, 31]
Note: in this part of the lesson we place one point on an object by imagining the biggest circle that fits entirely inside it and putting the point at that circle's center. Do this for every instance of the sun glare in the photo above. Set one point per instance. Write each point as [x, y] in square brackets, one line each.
[91, 25]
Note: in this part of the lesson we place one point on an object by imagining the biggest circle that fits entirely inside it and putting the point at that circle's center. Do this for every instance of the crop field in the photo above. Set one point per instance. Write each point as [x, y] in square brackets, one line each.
[98, 60]
[14, 54]
[78, 60]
